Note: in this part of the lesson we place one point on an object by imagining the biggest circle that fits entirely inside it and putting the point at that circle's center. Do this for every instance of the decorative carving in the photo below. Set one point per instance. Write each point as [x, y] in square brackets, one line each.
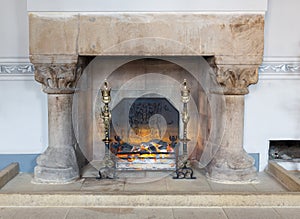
[29, 68]
[284, 68]
[17, 69]
[58, 78]
[236, 78]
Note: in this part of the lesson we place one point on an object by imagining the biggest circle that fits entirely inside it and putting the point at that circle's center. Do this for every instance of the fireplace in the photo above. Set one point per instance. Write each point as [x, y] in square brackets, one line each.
[217, 52]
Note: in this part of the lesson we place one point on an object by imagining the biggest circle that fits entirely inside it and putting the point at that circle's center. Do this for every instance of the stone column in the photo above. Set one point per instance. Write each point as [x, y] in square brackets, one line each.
[231, 162]
[58, 164]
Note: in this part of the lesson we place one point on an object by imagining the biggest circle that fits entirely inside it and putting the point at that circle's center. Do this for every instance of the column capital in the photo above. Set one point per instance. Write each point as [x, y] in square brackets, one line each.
[235, 79]
[59, 74]
[58, 78]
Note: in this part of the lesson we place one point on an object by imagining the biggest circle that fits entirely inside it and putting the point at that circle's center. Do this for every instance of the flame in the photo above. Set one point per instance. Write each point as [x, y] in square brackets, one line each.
[144, 151]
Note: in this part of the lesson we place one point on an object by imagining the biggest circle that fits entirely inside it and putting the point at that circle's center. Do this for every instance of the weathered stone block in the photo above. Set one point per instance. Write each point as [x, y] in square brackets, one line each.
[52, 33]
[228, 37]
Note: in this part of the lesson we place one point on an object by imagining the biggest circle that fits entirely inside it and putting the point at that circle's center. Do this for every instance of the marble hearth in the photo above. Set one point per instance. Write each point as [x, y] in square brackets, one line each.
[63, 43]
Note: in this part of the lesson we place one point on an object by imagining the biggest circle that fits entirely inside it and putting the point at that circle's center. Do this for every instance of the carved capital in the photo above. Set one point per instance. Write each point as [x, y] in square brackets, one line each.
[59, 78]
[236, 78]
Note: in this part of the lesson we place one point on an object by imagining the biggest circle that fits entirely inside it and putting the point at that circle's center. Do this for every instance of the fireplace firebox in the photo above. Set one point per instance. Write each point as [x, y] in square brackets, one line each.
[141, 128]
[146, 137]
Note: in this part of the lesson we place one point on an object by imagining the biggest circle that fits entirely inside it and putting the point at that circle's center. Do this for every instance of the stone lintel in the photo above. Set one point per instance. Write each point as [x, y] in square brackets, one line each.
[234, 38]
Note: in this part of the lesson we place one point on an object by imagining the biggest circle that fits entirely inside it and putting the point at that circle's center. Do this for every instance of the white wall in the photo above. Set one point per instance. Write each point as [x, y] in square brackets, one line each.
[282, 30]
[271, 110]
[23, 115]
[145, 5]
[13, 31]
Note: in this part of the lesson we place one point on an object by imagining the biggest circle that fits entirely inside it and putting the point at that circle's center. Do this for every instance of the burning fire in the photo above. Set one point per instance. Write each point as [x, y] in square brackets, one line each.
[146, 150]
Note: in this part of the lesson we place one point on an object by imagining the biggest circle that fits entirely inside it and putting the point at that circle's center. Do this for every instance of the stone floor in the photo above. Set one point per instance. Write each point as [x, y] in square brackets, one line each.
[150, 213]
[140, 198]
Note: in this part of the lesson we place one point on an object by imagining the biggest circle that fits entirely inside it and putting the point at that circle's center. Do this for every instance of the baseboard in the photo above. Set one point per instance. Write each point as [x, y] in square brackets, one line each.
[27, 162]
[256, 160]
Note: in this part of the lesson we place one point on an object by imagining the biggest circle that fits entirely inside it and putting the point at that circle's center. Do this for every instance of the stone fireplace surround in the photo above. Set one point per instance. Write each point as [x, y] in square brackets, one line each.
[62, 44]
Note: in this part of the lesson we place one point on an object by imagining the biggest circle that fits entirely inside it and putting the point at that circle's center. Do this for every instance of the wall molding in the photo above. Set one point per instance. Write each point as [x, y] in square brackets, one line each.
[279, 71]
[274, 68]
[280, 64]
[16, 72]
[280, 67]
[16, 68]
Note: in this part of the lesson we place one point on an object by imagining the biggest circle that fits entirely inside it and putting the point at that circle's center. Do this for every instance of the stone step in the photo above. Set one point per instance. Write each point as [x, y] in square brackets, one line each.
[8, 173]
[285, 177]
[149, 199]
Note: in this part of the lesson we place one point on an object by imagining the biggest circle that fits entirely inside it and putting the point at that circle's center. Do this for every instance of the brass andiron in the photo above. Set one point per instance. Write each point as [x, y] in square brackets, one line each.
[184, 171]
[108, 171]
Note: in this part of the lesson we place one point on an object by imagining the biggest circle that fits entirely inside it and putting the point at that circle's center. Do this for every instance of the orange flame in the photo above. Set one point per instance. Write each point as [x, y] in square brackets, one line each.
[145, 152]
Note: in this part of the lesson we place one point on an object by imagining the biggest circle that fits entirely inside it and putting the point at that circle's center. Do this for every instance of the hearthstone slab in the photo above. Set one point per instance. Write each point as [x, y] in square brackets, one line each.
[166, 193]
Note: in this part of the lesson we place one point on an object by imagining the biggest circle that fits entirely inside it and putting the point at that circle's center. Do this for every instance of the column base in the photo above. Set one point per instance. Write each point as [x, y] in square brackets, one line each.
[57, 166]
[236, 167]
[48, 175]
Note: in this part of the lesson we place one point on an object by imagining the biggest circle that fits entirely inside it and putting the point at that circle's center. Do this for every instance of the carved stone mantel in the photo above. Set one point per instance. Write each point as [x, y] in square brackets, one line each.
[234, 40]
